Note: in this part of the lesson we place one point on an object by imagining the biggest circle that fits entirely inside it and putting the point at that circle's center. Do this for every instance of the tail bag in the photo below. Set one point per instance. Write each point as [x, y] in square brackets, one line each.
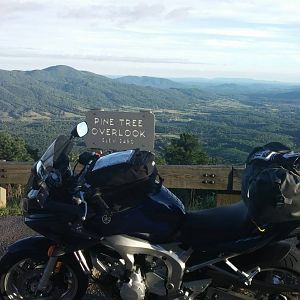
[271, 184]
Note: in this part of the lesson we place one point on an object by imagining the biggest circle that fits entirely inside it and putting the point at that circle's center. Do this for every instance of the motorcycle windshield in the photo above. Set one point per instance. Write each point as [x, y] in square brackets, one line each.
[61, 146]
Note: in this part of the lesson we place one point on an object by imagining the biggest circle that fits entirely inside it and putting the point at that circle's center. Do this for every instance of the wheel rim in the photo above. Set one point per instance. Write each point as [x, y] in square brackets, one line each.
[22, 279]
[283, 284]
[273, 284]
[279, 277]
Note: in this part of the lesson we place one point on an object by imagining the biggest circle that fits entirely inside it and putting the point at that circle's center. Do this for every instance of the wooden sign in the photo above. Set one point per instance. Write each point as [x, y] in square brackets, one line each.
[120, 130]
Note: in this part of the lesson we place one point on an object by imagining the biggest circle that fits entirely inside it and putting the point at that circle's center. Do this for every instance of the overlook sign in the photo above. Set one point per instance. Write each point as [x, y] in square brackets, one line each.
[120, 130]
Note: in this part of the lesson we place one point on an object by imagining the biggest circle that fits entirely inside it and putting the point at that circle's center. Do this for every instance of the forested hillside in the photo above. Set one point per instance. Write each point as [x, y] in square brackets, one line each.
[229, 118]
[61, 90]
[160, 83]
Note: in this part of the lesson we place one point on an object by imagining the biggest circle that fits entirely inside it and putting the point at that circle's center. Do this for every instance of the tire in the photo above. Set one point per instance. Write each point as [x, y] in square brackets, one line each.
[276, 280]
[20, 273]
[282, 277]
[291, 261]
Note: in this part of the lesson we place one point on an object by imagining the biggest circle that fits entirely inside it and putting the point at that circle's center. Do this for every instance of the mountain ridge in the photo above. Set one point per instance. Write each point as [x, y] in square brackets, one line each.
[156, 82]
[59, 89]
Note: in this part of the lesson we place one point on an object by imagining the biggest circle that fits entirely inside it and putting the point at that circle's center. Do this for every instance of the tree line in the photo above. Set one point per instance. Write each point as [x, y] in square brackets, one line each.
[185, 150]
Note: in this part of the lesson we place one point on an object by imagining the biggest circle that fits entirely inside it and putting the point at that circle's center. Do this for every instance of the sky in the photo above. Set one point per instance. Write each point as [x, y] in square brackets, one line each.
[257, 39]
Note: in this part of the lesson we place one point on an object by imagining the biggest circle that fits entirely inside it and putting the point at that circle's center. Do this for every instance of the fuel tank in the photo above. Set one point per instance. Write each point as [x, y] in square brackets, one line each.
[156, 218]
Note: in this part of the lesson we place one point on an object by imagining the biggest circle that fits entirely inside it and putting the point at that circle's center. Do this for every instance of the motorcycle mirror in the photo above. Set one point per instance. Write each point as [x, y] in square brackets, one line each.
[80, 130]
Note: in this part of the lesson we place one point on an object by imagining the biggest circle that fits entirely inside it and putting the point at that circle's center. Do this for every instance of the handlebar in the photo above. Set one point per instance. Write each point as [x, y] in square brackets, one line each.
[79, 200]
[50, 180]
[42, 192]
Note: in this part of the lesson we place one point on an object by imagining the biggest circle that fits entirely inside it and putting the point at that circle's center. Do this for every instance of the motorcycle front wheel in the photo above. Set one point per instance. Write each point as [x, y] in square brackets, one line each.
[21, 272]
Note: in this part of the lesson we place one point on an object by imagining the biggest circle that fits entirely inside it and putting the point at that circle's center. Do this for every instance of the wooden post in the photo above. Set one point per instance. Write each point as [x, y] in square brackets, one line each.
[2, 197]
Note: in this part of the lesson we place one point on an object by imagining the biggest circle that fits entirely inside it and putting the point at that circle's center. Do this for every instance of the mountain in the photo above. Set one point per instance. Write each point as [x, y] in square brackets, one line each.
[62, 89]
[230, 118]
[290, 96]
[160, 83]
[221, 80]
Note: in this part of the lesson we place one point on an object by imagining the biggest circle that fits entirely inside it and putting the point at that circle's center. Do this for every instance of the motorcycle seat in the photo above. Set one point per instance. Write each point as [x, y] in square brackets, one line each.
[216, 225]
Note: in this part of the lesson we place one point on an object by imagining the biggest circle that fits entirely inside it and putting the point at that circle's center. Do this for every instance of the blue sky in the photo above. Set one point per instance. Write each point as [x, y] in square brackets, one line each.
[168, 38]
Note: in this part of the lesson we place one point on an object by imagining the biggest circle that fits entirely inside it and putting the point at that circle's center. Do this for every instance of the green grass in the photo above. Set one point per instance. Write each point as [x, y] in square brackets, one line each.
[13, 208]
[196, 199]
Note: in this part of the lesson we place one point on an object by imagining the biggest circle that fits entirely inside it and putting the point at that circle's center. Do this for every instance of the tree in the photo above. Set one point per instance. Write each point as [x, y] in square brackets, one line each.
[14, 148]
[185, 151]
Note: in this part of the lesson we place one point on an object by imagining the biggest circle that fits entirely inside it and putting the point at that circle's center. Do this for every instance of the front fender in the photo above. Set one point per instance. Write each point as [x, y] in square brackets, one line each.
[35, 245]
[31, 244]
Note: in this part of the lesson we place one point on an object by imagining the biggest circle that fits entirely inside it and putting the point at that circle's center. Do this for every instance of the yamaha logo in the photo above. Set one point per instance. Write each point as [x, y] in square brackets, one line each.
[106, 219]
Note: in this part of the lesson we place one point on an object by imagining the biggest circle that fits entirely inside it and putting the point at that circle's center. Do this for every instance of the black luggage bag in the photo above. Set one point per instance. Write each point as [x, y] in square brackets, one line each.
[123, 179]
[271, 184]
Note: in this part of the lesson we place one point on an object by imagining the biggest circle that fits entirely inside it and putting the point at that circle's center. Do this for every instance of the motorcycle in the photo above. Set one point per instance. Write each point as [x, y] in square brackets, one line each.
[149, 247]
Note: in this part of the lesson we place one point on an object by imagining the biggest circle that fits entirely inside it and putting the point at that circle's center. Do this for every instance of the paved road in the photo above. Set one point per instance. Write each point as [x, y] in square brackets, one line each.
[12, 229]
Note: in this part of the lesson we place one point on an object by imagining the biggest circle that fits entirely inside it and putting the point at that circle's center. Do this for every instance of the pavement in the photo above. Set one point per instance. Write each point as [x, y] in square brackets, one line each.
[12, 229]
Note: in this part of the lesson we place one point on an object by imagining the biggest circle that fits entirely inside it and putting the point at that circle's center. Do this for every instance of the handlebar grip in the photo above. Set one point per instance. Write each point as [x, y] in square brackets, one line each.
[86, 157]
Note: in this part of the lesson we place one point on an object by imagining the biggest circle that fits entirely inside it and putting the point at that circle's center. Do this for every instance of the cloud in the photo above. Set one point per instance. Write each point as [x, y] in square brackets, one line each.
[154, 34]
[228, 43]
[242, 32]
[251, 11]
[179, 13]
[13, 7]
[118, 14]
[33, 53]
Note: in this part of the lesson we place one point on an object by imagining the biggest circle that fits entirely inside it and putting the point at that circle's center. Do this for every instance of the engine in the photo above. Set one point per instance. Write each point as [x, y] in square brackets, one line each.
[150, 277]
[135, 288]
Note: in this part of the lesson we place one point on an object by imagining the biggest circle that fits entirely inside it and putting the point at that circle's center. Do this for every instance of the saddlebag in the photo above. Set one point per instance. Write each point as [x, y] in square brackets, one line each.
[271, 184]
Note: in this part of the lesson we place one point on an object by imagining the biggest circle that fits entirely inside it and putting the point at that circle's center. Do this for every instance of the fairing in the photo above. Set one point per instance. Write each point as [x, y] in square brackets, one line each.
[156, 219]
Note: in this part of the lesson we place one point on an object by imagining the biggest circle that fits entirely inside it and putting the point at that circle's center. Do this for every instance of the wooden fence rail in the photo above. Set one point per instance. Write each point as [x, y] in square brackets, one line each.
[224, 179]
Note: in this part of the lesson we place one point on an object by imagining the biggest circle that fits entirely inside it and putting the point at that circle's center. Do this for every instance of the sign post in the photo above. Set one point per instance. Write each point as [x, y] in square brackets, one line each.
[120, 130]
[2, 197]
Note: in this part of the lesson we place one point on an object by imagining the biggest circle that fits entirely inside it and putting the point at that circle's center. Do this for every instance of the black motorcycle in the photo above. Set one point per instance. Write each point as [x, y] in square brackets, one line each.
[136, 240]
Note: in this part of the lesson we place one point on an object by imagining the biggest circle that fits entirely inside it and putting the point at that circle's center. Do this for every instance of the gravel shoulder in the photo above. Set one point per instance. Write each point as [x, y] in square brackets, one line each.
[12, 229]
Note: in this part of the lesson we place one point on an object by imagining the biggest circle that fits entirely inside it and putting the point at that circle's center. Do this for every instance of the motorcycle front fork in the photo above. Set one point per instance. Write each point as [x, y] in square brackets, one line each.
[53, 266]
[44, 281]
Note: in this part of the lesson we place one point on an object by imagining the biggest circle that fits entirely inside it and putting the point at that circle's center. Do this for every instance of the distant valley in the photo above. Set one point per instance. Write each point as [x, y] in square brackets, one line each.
[229, 116]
